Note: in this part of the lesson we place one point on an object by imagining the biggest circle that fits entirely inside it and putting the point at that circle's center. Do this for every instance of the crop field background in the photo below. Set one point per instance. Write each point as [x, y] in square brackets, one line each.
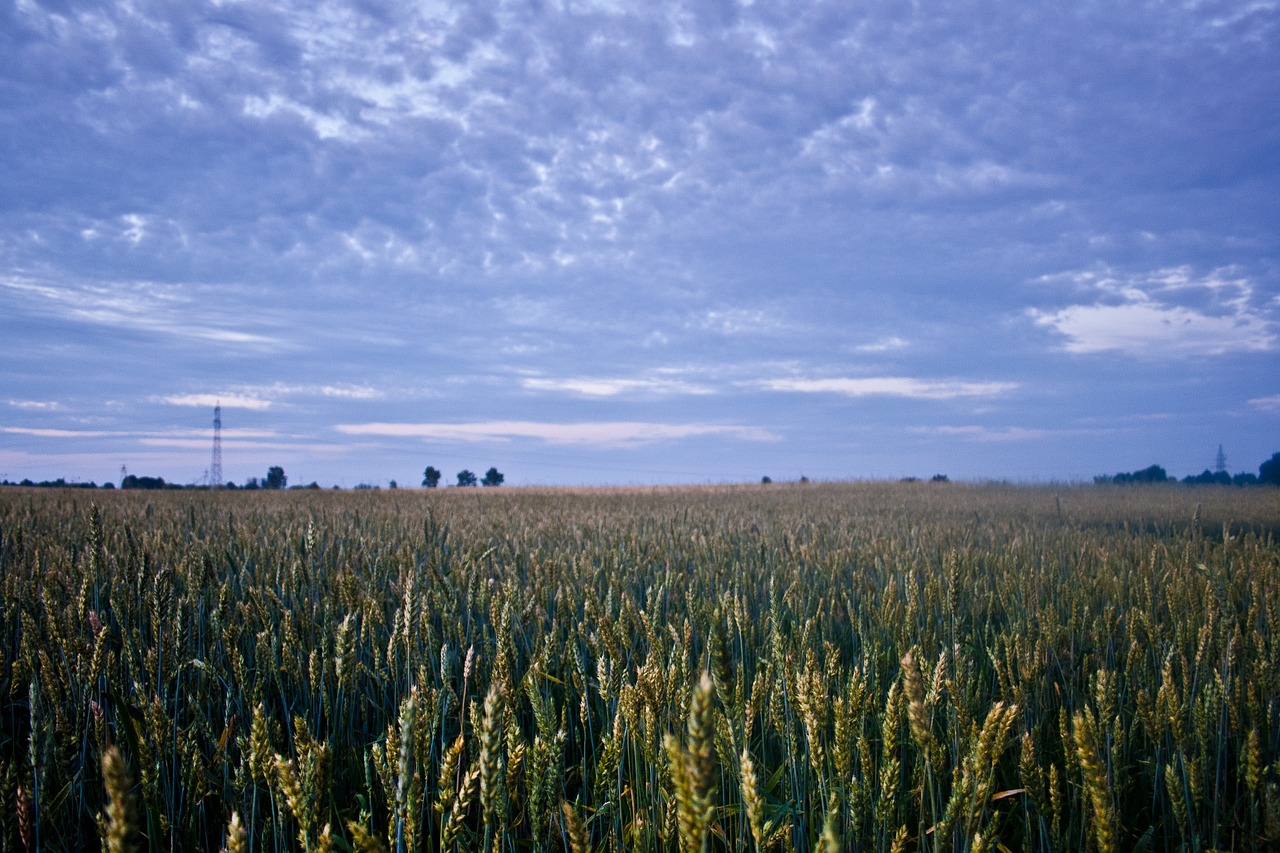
[865, 667]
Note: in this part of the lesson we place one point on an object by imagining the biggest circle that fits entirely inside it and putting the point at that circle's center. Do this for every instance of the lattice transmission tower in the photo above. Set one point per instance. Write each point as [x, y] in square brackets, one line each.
[215, 467]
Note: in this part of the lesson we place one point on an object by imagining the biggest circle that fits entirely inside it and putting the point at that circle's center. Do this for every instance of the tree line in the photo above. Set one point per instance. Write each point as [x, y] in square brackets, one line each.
[1268, 475]
[493, 477]
[275, 479]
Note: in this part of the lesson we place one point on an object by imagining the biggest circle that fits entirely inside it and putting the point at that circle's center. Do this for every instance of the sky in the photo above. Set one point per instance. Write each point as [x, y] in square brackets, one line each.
[604, 242]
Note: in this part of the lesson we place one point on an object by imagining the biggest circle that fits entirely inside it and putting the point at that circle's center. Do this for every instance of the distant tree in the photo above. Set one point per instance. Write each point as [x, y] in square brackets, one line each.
[251, 484]
[939, 478]
[1208, 478]
[466, 478]
[431, 477]
[1150, 474]
[492, 477]
[275, 478]
[1269, 471]
[766, 480]
[392, 485]
[133, 482]
[1244, 479]
[61, 483]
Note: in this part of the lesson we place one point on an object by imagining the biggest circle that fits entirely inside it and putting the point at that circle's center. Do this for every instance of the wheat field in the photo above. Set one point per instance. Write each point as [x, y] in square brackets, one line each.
[820, 667]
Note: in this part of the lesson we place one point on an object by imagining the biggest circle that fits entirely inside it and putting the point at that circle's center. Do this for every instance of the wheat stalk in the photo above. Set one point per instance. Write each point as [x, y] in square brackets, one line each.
[579, 841]
[120, 803]
[1084, 728]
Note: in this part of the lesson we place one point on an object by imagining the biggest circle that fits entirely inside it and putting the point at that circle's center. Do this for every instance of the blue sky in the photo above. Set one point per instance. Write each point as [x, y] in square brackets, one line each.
[610, 242]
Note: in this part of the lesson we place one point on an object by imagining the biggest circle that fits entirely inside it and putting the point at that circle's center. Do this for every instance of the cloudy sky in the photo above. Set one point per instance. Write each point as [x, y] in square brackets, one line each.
[594, 241]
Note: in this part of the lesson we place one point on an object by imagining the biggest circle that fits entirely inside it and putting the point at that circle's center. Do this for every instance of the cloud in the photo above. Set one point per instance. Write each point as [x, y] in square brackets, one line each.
[37, 405]
[606, 434]
[131, 306]
[227, 401]
[982, 433]
[324, 126]
[891, 343]
[352, 392]
[891, 386]
[174, 438]
[1266, 404]
[1167, 313]
[238, 434]
[55, 433]
[739, 321]
[598, 387]
[864, 150]
[260, 397]
[549, 132]
[1154, 330]
[235, 444]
